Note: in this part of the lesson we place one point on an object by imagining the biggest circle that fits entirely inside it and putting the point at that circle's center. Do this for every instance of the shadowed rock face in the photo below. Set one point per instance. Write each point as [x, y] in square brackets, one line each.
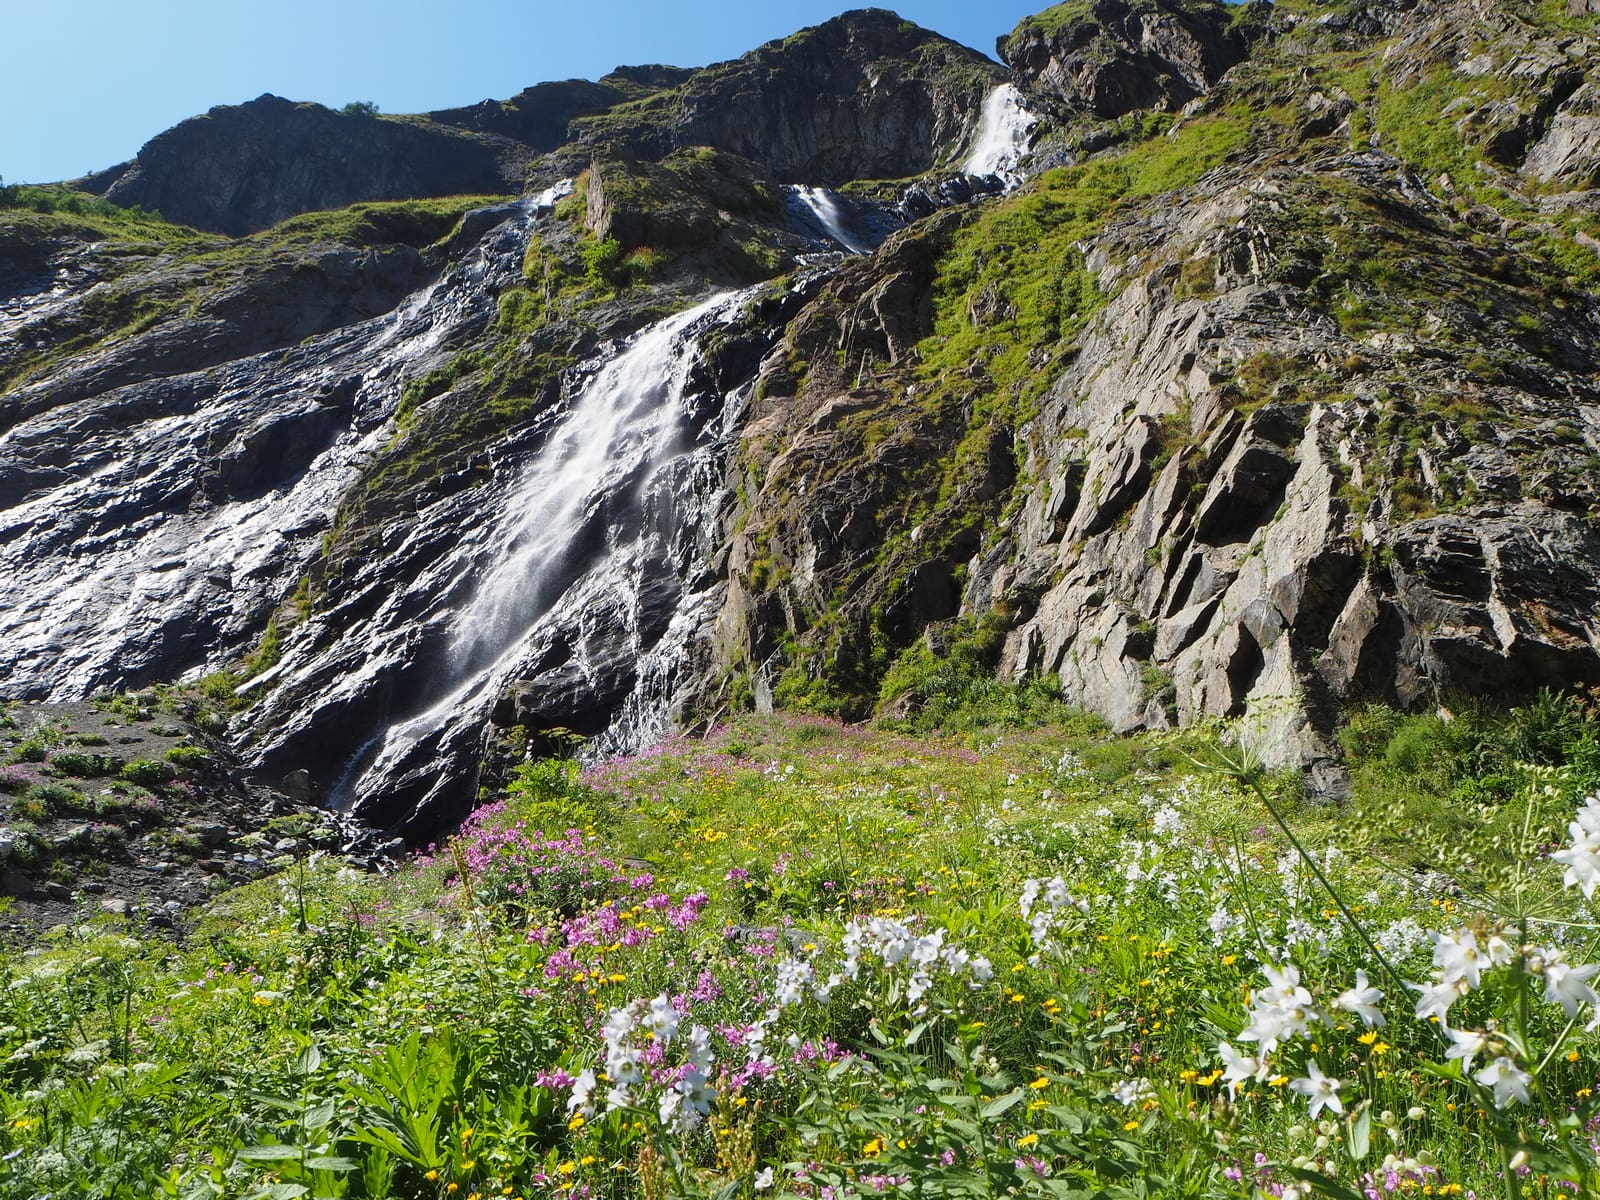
[241, 168]
[1121, 57]
[863, 96]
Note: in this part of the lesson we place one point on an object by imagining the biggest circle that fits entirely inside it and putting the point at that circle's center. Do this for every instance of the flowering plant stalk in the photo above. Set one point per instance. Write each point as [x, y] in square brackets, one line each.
[1497, 1053]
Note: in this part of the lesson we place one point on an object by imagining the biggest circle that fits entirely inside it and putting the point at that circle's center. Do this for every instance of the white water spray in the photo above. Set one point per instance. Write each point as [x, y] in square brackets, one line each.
[819, 210]
[1003, 136]
[570, 527]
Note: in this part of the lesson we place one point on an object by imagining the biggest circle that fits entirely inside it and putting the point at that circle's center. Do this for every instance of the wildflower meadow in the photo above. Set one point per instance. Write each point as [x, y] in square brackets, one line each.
[798, 959]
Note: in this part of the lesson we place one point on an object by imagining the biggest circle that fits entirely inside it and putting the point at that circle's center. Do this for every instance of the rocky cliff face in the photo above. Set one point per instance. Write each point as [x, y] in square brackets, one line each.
[238, 169]
[1328, 435]
[1276, 389]
[864, 96]
[1114, 57]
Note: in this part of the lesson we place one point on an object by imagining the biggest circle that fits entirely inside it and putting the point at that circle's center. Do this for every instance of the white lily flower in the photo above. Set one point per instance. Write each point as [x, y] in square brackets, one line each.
[662, 1019]
[1321, 1090]
[790, 979]
[582, 1099]
[1236, 1067]
[1466, 1044]
[1499, 951]
[1362, 1001]
[1437, 997]
[1589, 815]
[1508, 1080]
[1567, 985]
[1459, 957]
[1582, 858]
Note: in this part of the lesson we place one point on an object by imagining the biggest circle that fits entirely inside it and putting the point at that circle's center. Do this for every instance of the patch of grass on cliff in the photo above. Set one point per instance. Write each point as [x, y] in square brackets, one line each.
[401, 222]
[1075, 12]
[24, 227]
[1414, 126]
[1014, 290]
[77, 210]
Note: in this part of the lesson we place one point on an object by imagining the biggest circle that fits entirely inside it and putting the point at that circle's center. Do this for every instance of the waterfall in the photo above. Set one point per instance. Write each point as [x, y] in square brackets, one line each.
[585, 565]
[818, 212]
[1003, 136]
[195, 494]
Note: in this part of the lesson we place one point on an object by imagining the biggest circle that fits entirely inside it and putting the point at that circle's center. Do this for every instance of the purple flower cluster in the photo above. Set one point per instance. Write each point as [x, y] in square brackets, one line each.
[513, 864]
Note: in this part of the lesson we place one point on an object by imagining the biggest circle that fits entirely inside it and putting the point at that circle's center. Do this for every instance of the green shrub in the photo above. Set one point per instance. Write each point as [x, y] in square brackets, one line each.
[32, 750]
[602, 263]
[146, 772]
[83, 764]
[187, 757]
[48, 799]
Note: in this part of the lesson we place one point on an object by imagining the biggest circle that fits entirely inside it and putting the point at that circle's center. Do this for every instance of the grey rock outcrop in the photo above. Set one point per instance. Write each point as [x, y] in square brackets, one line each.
[1271, 479]
[240, 168]
[863, 96]
[1120, 57]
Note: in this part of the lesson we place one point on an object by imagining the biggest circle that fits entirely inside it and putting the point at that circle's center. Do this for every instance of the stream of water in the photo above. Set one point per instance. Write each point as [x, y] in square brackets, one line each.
[1003, 136]
[589, 528]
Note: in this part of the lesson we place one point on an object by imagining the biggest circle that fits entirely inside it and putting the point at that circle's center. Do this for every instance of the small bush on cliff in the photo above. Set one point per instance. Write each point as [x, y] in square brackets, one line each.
[602, 263]
[146, 772]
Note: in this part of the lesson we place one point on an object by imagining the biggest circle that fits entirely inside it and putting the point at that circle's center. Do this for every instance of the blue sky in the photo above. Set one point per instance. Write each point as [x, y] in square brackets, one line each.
[85, 83]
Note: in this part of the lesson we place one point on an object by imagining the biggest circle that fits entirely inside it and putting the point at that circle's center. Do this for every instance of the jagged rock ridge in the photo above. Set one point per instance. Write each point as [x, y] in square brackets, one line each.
[863, 96]
[1331, 437]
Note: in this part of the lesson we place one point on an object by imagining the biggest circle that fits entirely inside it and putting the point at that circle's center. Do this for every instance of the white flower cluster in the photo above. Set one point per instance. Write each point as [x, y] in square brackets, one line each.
[1284, 1010]
[1401, 939]
[686, 1100]
[1045, 904]
[895, 943]
[1582, 858]
[1461, 959]
[1133, 1091]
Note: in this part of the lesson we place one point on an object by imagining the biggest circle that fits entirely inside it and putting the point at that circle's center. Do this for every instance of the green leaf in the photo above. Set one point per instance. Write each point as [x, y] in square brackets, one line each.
[965, 1130]
[1001, 1104]
[1358, 1134]
[1322, 1185]
[269, 1153]
[331, 1162]
[308, 1062]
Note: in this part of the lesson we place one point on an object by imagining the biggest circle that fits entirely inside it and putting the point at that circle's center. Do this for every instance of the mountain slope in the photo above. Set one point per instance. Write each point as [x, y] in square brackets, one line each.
[1274, 390]
[1282, 404]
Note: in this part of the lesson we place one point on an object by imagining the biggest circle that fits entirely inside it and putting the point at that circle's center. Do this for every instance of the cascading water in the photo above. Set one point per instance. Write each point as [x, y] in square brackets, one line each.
[583, 580]
[154, 520]
[819, 214]
[1003, 136]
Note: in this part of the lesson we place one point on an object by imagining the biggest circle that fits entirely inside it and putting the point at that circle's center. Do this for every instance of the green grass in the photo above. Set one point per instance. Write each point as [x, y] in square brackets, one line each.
[331, 1034]
[54, 210]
